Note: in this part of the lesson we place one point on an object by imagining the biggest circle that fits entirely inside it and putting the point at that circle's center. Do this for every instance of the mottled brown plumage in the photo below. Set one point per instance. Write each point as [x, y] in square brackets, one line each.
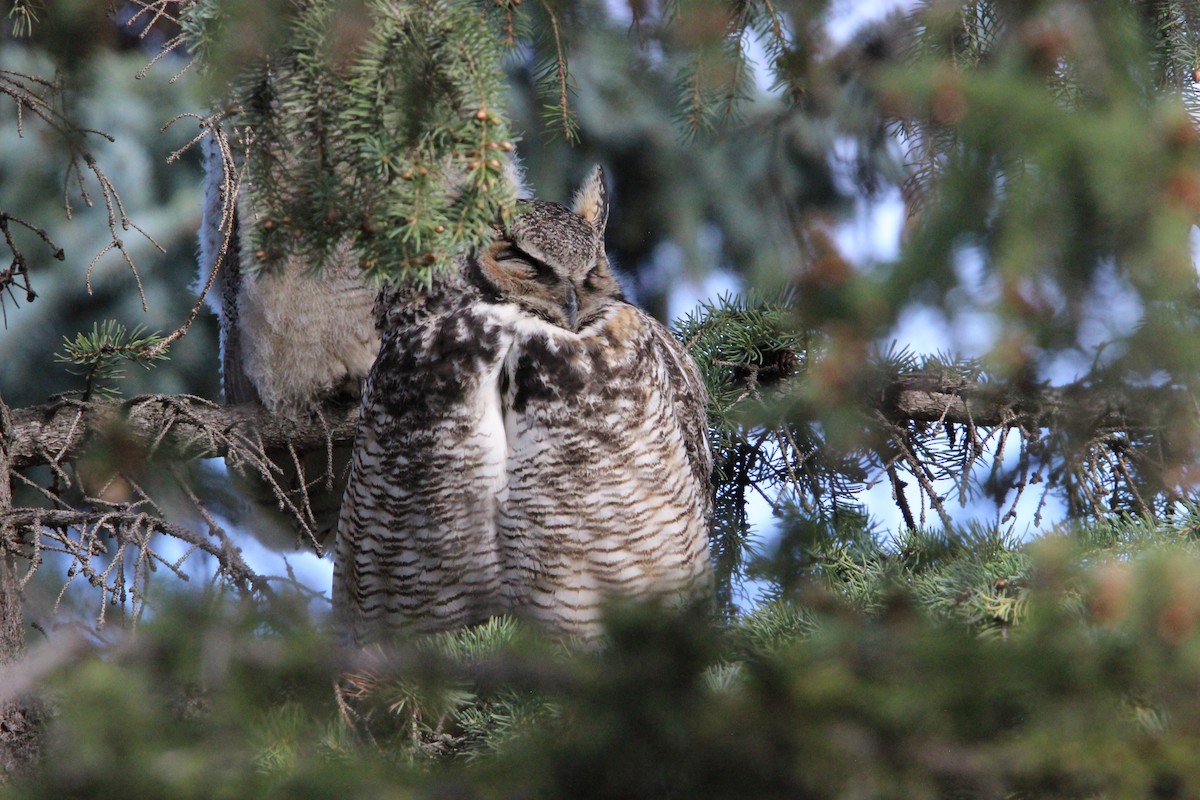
[530, 443]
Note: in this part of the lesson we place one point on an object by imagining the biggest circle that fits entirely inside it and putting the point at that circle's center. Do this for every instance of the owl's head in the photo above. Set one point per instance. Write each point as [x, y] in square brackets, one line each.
[550, 259]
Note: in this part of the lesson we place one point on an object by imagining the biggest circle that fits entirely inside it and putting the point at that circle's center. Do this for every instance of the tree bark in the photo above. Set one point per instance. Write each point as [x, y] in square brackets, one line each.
[20, 717]
[189, 426]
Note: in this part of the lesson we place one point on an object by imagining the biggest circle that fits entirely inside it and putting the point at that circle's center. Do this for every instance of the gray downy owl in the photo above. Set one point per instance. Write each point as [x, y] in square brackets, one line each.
[529, 443]
[291, 337]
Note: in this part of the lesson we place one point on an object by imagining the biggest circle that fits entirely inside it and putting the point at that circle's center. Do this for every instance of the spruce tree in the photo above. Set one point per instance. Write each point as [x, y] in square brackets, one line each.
[1046, 155]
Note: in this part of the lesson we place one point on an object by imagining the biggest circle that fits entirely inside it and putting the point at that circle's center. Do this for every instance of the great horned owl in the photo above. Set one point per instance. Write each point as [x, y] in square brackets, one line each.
[529, 443]
[291, 336]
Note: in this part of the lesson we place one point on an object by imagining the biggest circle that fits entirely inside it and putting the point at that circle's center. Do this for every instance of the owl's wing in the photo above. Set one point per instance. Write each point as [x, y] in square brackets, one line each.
[609, 487]
[417, 544]
[685, 386]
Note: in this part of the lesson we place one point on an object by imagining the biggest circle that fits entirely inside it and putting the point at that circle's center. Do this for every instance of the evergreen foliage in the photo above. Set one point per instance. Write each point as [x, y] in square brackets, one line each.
[1039, 209]
[97, 355]
[384, 130]
[928, 684]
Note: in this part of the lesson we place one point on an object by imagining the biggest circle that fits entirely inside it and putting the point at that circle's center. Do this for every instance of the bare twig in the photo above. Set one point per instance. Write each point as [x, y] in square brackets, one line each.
[43, 99]
[79, 532]
[231, 181]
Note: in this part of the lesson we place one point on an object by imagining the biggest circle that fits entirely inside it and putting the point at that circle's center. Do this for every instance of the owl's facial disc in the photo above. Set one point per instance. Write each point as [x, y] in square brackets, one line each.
[541, 287]
[550, 260]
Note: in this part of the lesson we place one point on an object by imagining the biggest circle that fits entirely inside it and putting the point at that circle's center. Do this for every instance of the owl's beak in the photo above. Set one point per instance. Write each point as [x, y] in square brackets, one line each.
[571, 305]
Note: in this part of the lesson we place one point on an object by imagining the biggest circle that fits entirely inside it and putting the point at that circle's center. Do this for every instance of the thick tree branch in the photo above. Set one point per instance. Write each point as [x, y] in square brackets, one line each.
[197, 428]
[186, 425]
[930, 397]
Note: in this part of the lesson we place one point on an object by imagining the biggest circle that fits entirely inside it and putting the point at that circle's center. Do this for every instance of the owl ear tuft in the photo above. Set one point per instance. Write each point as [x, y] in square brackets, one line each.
[591, 201]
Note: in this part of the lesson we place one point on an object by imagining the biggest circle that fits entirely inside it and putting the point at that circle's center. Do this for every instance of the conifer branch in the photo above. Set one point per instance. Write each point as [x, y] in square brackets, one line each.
[120, 524]
[43, 98]
[198, 428]
[97, 355]
[23, 16]
[946, 398]
[16, 275]
[555, 73]
[194, 428]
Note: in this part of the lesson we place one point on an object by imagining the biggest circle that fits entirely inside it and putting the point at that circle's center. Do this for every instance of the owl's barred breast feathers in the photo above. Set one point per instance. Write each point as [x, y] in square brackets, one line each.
[529, 443]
